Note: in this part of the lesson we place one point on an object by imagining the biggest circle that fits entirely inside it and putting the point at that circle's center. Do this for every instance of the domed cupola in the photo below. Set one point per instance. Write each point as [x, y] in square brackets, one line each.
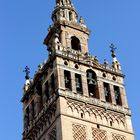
[64, 11]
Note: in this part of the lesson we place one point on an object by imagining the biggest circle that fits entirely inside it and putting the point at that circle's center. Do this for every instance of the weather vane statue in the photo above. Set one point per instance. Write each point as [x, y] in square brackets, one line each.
[27, 71]
[113, 48]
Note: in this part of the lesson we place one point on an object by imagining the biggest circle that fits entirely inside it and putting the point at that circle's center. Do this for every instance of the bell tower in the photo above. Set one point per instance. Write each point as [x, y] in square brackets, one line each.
[72, 95]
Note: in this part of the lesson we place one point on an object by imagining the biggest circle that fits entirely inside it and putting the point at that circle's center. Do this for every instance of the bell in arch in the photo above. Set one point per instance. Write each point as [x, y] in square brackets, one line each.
[92, 81]
[78, 85]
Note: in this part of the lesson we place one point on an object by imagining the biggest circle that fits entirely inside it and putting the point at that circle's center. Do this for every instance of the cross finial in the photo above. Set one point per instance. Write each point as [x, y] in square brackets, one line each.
[113, 48]
[27, 71]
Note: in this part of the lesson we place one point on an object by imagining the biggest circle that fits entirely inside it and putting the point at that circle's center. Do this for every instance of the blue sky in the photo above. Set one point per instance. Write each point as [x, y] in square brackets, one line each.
[23, 26]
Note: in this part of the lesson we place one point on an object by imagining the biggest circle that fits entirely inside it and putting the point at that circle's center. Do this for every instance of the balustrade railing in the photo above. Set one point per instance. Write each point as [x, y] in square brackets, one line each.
[84, 58]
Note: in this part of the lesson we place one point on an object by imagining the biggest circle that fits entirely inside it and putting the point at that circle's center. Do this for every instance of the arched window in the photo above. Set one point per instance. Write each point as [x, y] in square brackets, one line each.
[92, 84]
[75, 43]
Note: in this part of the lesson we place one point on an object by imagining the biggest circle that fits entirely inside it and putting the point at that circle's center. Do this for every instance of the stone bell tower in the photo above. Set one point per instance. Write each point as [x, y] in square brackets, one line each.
[72, 96]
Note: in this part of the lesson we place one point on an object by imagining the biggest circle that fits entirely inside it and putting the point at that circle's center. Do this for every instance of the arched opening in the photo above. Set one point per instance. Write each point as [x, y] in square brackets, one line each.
[68, 1]
[52, 83]
[67, 79]
[117, 95]
[39, 92]
[107, 92]
[92, 84]
[111, 123]
[98, 126]
[47, 93]
[61, 2]
[54, 18]
[70, 15]
[82, 115]
[27, 118]
[75, 43]
[78, 83]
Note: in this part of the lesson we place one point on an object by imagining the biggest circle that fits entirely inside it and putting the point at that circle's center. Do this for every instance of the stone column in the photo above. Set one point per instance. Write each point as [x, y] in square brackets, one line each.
[85, 85]
[101, 90]
[112, 94]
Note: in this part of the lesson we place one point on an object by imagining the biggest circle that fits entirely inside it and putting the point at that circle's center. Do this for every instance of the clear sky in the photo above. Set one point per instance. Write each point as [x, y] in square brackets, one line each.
[23, 26]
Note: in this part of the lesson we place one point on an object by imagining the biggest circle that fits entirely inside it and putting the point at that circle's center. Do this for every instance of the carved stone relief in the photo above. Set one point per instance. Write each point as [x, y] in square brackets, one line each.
[79, 132]
[96, 114]
[98, 134]
[118, 137]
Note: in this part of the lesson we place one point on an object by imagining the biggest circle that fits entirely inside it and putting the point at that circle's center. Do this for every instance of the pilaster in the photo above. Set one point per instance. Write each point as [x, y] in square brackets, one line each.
[123, 97]
[84, 86]
[112, 94]
[101, 90]
[25, 120]
[31, 114]
[73, 82]
[61, 81]
[63, 38]
[37, 104]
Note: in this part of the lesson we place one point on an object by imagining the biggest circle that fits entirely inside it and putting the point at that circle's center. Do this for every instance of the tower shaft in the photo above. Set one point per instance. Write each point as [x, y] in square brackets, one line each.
[72, 96]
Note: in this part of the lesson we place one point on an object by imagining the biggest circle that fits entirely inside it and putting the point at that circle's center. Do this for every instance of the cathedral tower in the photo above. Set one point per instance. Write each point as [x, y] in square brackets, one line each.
[72, 96]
